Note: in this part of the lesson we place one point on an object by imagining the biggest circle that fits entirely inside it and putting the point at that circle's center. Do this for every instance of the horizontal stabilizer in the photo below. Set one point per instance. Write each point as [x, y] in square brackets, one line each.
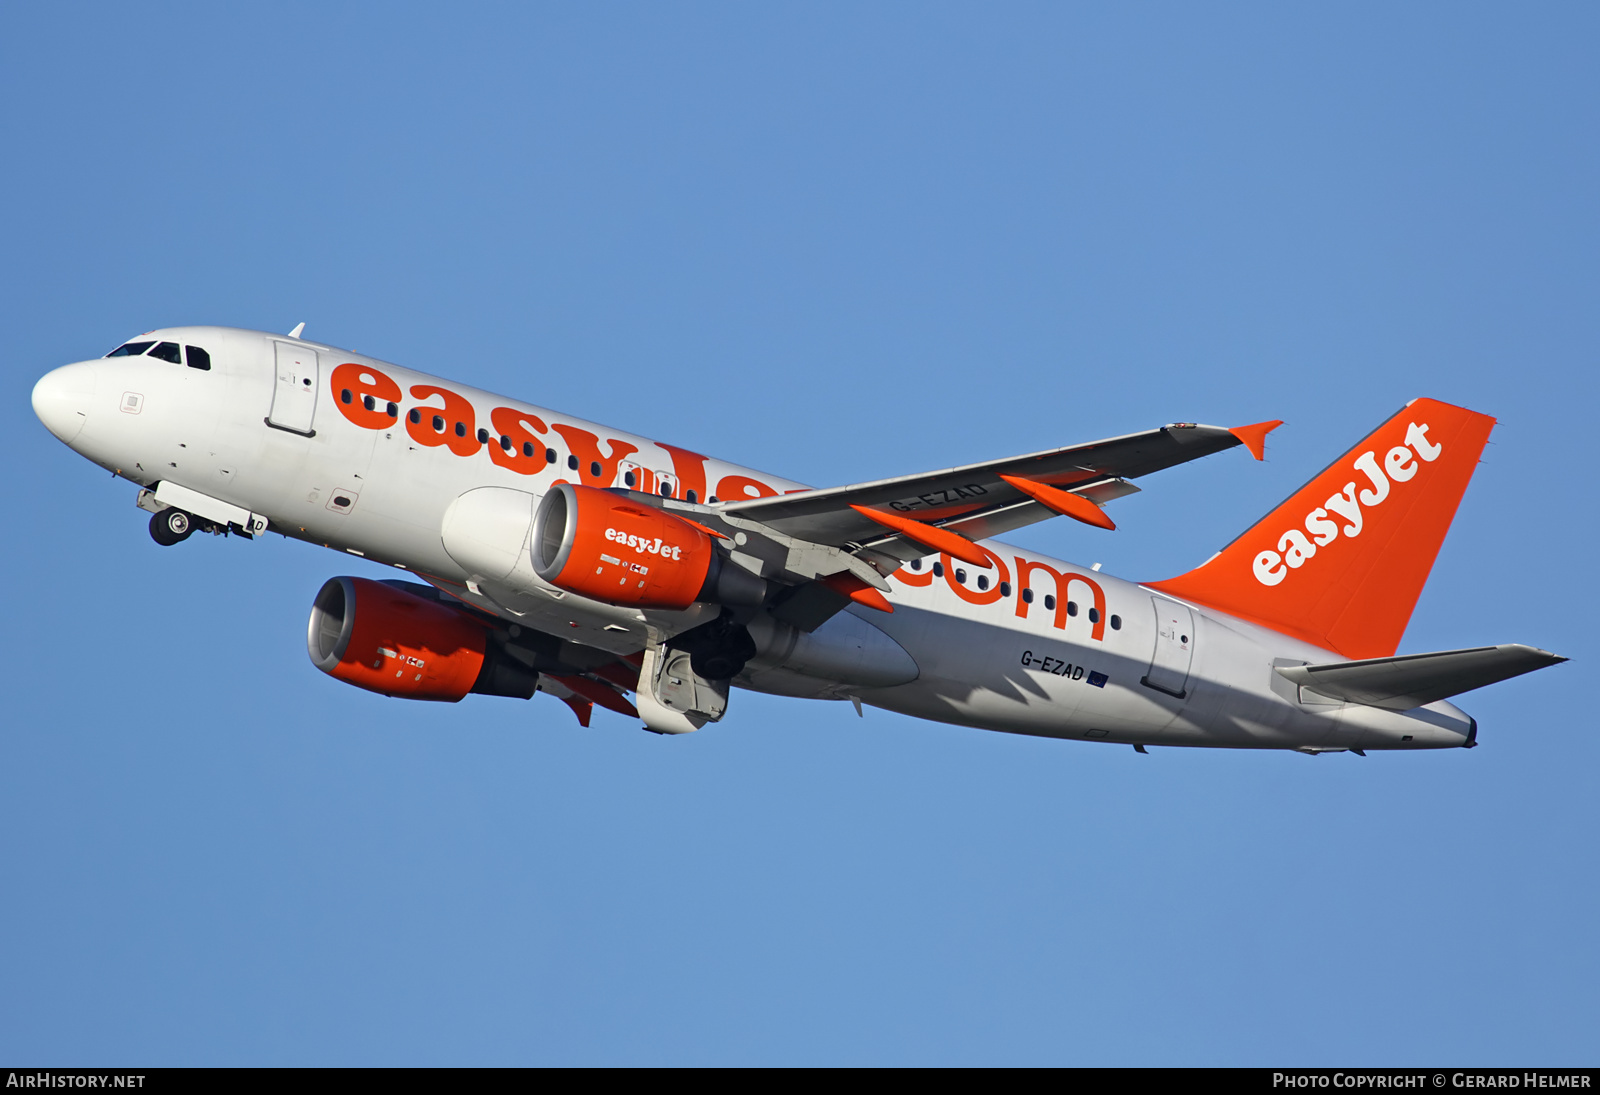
[1399, 684]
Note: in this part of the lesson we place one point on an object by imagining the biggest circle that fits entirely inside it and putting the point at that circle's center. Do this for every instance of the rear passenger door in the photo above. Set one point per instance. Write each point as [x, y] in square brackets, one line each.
[1173, 650]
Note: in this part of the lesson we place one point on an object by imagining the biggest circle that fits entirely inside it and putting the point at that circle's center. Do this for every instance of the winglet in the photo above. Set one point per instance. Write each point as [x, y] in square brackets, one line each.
[1255, 437]
[1063, 502]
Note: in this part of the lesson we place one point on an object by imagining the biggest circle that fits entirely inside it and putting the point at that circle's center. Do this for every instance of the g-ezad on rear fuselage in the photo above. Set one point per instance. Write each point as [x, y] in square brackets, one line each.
[561, 556]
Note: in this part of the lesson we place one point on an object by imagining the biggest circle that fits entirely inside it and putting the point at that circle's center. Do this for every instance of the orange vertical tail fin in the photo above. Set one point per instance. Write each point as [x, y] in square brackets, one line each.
[1342, 562]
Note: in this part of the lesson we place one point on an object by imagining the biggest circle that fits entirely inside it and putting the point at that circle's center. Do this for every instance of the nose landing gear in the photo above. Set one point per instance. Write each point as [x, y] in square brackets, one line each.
[171, 526]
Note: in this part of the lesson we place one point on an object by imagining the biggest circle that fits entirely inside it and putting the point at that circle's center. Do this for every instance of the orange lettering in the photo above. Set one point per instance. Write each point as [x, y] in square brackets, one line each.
[586, 447]
[690, 468]
[514, 424]
[912, 577]
[972, 596]
[353, 384]
[1064, 582]
[459, 430]
[736, 488]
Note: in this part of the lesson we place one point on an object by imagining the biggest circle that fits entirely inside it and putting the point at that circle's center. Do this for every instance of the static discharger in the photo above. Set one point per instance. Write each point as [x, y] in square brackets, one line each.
[929, 536]
[1063, 502]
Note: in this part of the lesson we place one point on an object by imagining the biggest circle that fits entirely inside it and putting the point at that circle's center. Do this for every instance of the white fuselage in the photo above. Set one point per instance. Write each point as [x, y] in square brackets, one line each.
[1146, 670]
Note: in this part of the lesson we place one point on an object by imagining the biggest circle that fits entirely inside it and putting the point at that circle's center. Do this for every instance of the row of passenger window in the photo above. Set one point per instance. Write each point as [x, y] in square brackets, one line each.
[165, 351]
[528, 448]
[1027, 594]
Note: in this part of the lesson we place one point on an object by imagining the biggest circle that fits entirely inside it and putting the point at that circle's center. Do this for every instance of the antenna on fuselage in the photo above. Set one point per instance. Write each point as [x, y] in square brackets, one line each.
[298, 327]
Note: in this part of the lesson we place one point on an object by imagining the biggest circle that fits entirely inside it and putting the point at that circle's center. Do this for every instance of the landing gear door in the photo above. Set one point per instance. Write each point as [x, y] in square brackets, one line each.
[1174, 648]
[294, 389]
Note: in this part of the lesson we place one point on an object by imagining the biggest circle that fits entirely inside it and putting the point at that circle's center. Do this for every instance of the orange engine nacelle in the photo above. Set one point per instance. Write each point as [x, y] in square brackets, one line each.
[600, 545]
[386, 640]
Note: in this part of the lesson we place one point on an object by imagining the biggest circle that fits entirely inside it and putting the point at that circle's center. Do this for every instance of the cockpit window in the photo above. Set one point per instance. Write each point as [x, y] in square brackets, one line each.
[168, 351]
[130, 349]
[198, 358]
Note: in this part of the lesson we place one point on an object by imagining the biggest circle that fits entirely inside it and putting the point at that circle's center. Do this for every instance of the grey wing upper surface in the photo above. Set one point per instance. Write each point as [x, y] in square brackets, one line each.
[973, 500]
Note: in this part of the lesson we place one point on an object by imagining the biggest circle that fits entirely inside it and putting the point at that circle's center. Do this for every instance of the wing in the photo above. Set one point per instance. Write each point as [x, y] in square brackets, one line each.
[815, 551]
[982, 500]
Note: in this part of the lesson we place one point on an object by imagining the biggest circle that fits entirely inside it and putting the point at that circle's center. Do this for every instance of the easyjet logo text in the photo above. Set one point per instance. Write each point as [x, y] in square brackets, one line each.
[1058, 603]
[1342, 514]
[644, 545]
[518, 440]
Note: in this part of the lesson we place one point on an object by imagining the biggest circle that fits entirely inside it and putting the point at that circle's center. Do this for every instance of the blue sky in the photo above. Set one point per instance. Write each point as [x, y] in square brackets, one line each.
[837, 242]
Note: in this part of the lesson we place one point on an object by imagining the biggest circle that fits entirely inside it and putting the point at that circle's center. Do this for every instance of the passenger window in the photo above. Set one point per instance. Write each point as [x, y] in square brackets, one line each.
[594, 468]
[572, 462]
[961, 575]
[1005, 589]
[438, 424]
[1094, 615]
[369, 403]
[1072, 608]
[1027, 596]
[1116, 623]
[527, 448]
[691, 496]
[505, 443]
[916, 564]
[131, 349]
[549, 456]
[197, 358]
[938, 570]
[1049, 601]
[666, 488]
[415, 416]
[628, 478]
[983, 581]
[394, 410]
[168, 351]
[461, 429]
[483, 436]
[345, 396]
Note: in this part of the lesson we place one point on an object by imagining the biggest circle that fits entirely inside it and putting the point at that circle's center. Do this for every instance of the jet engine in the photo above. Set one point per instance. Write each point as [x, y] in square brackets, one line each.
[605, 546]
[385, 638]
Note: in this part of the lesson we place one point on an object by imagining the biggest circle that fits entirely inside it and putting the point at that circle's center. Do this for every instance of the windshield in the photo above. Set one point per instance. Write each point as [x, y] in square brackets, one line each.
[130, 349]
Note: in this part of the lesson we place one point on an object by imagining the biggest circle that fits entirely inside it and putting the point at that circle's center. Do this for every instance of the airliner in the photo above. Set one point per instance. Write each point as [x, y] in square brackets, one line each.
[532, 552]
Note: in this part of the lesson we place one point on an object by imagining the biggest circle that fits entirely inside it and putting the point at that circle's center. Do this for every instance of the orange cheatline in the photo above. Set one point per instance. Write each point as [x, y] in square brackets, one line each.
[929, 536]
[595, 692]
[858, 591]
[1255, 437]
[1063, 502]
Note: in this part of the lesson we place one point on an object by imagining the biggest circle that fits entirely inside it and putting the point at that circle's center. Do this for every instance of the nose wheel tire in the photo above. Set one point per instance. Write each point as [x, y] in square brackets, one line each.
[171, 526]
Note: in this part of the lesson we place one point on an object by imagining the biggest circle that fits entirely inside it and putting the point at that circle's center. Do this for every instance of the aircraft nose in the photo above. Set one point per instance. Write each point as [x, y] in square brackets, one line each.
[61, 399]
